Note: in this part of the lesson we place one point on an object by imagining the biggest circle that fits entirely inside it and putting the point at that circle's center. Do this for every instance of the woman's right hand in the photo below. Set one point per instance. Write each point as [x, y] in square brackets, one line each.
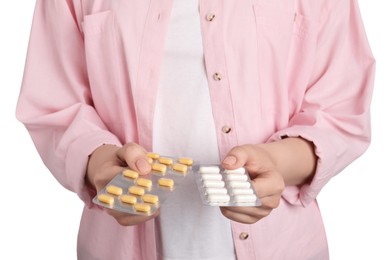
[106, 162]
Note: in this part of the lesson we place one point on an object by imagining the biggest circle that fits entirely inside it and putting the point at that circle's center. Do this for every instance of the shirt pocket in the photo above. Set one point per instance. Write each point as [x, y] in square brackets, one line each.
[286, 46]
[276, 22]
[96, 23]
[102, 54]
[285, 35]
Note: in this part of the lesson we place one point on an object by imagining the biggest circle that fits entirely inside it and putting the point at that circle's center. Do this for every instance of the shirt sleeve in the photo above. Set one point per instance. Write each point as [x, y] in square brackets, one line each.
[55, 102]
[335, 113]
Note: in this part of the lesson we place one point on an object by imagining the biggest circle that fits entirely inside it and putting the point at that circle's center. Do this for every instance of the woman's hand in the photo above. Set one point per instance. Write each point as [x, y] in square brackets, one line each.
[267, 182]
[106, 162]
[290, 161]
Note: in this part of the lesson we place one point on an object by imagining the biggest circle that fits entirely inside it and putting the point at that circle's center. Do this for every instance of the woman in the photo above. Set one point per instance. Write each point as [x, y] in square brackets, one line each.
[281, 88]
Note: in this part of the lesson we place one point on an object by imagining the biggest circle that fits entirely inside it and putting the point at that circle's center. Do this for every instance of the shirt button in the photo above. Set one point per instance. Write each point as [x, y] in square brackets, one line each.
[210, 17]
[244, 236]
[226, 129]
[217, 76]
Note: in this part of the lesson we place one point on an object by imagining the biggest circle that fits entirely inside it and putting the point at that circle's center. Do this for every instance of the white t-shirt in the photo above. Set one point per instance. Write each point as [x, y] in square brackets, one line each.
[184, 126]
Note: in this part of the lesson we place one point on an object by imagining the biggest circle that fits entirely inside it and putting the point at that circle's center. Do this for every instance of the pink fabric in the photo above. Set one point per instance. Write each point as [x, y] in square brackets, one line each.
[289, 68]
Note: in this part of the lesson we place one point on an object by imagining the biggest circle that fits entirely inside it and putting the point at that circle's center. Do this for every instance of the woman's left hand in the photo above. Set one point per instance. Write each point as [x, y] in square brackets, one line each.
[267, 182]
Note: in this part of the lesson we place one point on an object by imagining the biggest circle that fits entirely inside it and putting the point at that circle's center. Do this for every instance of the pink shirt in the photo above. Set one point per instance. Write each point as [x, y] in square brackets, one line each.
[275, 68]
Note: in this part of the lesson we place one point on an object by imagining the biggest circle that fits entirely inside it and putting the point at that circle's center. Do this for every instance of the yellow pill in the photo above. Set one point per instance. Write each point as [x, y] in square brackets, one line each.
[150, 198]
[186, 161]
[180, 167]
[165, 160]
[144, 182]
[105, 198]
[166, 182]
[142, 207]
[114, 190]
[150, 160]
[130, 174]
[129, 199]
[136, 190]
[162, 168]
[153, 155]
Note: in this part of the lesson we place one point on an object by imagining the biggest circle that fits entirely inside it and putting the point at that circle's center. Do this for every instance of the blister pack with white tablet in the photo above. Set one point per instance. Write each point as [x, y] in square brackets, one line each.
[220, 187]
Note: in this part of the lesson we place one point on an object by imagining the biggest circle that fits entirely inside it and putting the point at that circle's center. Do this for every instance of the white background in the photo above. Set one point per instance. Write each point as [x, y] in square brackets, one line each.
[39, 219]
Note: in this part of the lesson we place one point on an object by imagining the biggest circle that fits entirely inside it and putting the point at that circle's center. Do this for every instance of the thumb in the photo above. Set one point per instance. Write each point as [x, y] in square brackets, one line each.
[135, 157]
[236, 158]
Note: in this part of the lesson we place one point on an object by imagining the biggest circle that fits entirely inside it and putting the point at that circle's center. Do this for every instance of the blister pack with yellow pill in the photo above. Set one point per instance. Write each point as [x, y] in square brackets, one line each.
[220, 187]
[132, 193]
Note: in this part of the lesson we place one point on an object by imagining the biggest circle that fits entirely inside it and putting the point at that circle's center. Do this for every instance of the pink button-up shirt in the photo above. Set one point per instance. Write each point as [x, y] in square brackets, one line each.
[275, 68]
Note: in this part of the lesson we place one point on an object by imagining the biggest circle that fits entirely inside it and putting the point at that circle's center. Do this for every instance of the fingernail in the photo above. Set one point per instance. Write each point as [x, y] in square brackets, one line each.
[142, 165]
[230, 160]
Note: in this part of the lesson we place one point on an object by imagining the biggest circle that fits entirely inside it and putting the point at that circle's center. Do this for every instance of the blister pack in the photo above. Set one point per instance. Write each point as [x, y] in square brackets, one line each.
[143, 195]
[220, 187]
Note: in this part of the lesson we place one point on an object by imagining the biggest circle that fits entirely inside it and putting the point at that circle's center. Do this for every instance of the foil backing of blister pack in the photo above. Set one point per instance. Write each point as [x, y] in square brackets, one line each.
[220, 187]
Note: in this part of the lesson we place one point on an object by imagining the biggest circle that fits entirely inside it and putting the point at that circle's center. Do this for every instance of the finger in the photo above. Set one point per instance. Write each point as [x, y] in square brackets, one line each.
[246, 215]
[130, 220]
[251, 211]
[135, 157]
[268, 184]
[255, 159]
[237, 157]
[106, 175]
[270, 202]
[125, 219]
